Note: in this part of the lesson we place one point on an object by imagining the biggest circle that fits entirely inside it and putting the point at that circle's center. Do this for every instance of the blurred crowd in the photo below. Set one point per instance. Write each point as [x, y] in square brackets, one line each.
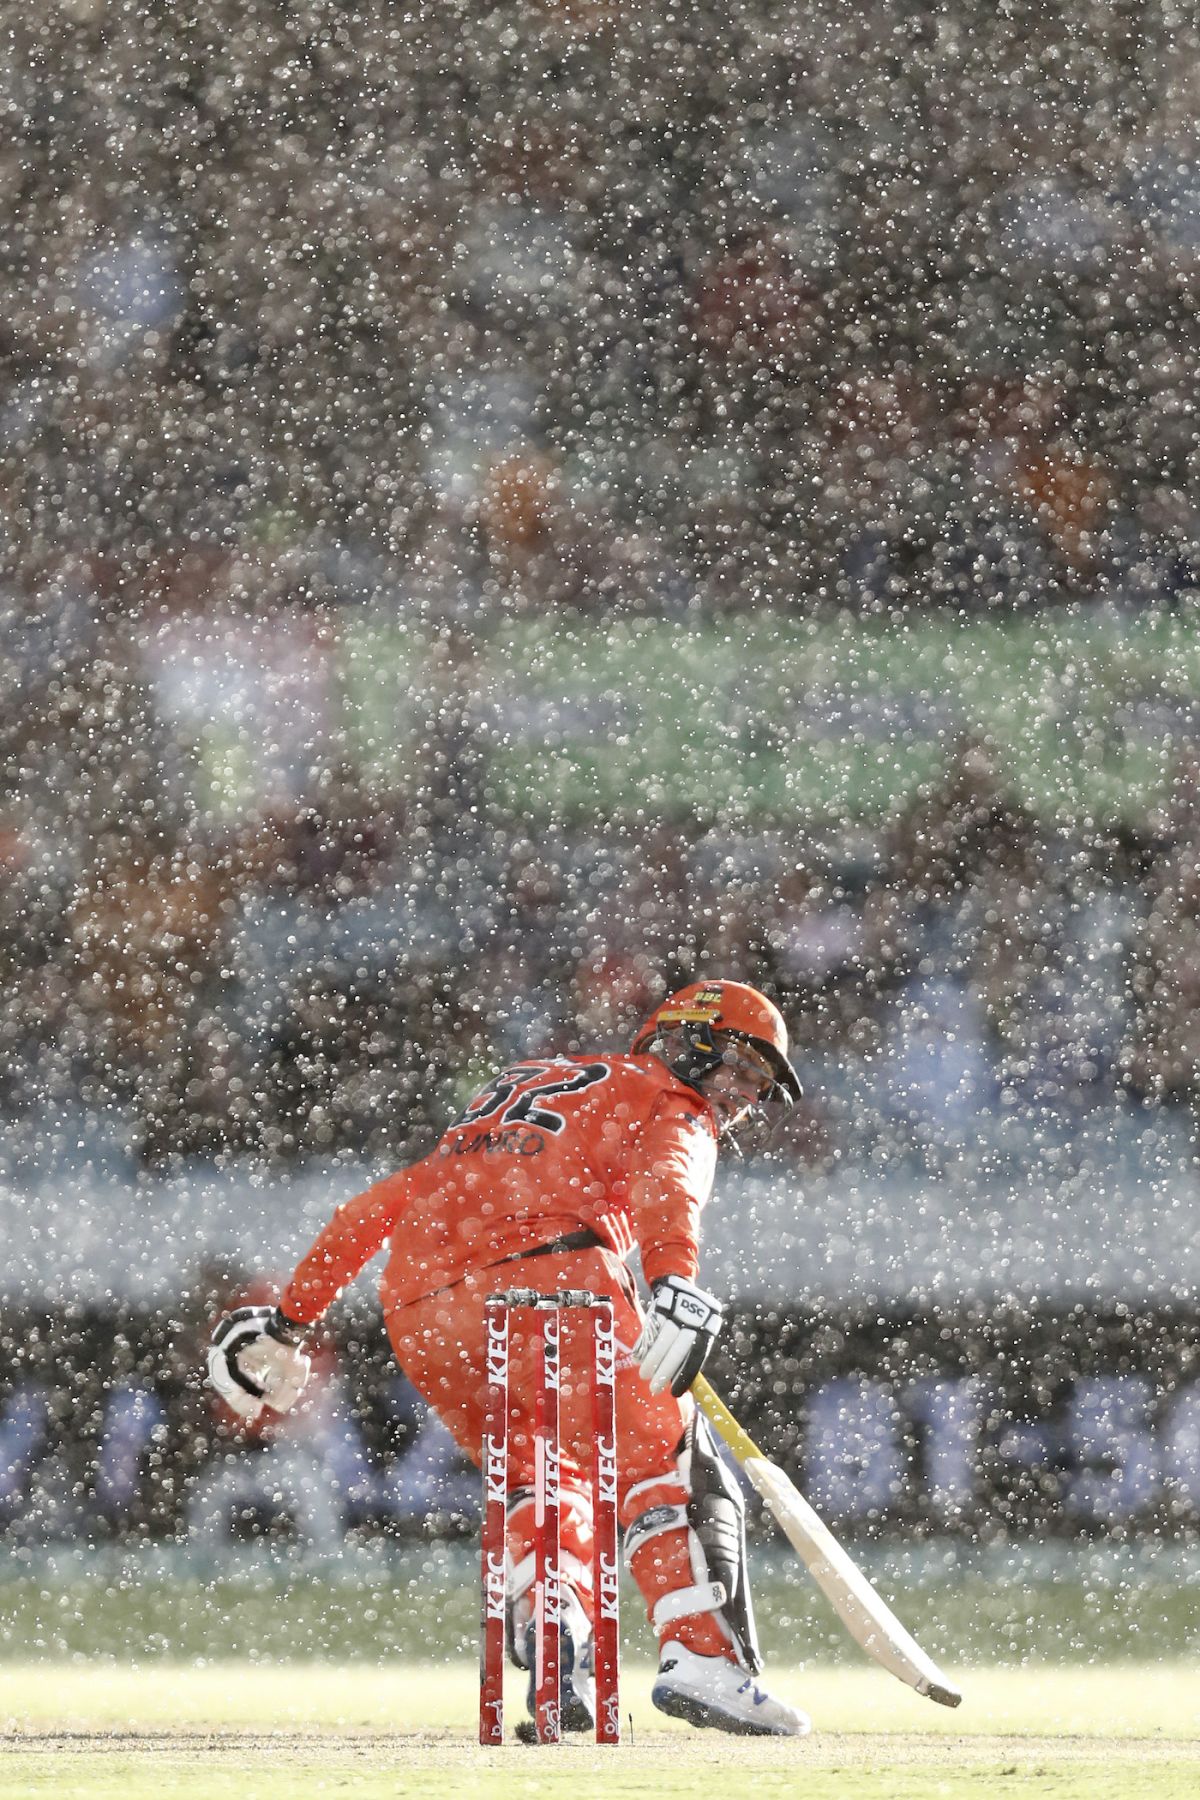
[334, 974]
[308, 309]
[563, 304]
[556, 309]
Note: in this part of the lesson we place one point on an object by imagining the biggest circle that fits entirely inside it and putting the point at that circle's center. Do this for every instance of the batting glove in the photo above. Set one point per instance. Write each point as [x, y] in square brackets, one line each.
[255, 1360]
[680, 1330]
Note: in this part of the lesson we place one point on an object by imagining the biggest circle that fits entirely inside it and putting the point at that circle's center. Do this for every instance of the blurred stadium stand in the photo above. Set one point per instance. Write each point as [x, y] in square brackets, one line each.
[504, 513]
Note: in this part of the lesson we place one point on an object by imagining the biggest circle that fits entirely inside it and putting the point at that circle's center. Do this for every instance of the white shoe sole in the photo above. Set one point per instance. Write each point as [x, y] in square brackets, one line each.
[678, 1704]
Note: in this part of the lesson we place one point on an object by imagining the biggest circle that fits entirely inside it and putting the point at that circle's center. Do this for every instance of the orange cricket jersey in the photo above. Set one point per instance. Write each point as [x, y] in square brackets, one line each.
[614, 1143]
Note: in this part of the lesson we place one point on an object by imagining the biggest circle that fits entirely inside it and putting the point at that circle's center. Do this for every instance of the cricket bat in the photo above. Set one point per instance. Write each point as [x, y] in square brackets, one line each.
[866, 1616]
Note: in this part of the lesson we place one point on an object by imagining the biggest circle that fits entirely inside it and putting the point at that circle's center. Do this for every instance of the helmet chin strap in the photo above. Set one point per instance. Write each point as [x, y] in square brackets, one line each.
[703, 1059]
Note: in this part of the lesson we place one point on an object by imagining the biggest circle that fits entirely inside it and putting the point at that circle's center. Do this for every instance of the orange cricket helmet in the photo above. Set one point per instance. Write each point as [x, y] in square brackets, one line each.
[708, 1011]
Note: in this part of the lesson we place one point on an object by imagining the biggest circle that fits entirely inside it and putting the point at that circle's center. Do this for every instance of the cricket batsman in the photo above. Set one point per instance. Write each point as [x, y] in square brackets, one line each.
[552, 1176]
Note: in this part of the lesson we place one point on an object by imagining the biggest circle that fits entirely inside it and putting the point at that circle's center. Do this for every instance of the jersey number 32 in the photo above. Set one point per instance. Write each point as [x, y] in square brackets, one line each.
[521, 1095]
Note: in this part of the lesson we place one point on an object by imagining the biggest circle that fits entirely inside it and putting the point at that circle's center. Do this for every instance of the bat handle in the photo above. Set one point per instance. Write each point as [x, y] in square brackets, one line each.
[720, 1417]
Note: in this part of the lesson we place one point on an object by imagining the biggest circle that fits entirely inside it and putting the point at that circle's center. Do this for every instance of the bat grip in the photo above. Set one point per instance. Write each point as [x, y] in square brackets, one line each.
[723, 1421]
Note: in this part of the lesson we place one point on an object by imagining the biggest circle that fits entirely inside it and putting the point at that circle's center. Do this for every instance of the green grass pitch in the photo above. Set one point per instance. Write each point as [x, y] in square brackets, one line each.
[116, 1684]
[238, 1730]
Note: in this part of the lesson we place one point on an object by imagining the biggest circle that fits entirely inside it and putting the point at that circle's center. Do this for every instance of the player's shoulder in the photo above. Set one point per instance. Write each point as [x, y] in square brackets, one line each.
[644, 1072]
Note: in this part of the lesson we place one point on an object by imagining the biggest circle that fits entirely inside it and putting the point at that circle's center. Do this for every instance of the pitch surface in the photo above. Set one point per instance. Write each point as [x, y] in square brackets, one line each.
[240, 1731]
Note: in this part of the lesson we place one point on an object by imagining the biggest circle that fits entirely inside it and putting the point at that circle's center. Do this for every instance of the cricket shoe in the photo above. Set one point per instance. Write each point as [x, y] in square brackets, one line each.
[576, 1669]
[711, 1690]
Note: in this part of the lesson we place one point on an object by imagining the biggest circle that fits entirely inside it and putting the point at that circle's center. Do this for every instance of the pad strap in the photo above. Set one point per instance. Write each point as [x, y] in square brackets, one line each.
[685, 1603]
[521, 1576]
[672, 1481]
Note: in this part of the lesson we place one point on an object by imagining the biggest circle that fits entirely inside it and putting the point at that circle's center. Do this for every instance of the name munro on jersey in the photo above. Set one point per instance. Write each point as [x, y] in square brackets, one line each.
[513, 1140]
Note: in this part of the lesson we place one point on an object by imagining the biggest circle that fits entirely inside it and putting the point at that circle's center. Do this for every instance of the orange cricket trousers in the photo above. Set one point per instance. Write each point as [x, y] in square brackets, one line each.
[439, 1342]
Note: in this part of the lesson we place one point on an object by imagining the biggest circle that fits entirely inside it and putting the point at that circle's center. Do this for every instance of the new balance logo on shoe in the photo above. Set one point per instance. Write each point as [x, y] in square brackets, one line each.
[713, 1691]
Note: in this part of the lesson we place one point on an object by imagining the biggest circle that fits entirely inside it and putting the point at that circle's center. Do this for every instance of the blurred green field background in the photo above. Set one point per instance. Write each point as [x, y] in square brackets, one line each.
[1036, 1604]
[853, 714]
